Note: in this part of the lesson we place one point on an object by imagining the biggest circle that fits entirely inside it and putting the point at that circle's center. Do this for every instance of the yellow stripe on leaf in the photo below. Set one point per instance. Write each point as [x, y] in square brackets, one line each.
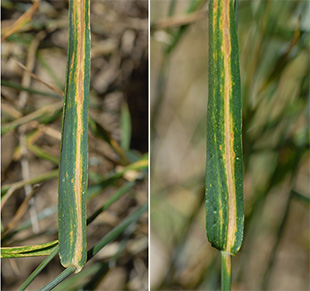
[74, 148]
[224, 177]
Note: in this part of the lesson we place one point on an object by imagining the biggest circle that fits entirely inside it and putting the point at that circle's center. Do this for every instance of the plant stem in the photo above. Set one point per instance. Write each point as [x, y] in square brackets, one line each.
[38, 270]
[64, 275]
[225, 271]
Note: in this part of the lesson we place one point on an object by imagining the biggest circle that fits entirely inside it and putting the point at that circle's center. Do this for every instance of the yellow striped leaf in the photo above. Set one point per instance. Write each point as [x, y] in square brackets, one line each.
[74, 144]
[28, 251]
[224, 177]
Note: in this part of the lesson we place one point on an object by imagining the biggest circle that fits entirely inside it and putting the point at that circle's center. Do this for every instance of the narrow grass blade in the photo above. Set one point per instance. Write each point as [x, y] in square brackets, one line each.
[21, 21]
[90, 193]
[224, 177]
[8, 190]
[39, 269]
[17, 86]
[125, 127]
[53, 88]
[194, 5]
[97, 278]
[75, 282]
[301, 197]
[99, 131]
[116, 231]
[138, 168]
[74, 145]
[43, 114]
[42, 154]
[62, 276]
[20, 212]
[29, 251]
[113, 199]
[49, 69]
[47, 212]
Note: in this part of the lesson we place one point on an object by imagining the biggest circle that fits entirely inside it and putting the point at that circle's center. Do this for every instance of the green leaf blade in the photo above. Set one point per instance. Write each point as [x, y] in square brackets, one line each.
[28, 251]
[224, 173]
[74, 148]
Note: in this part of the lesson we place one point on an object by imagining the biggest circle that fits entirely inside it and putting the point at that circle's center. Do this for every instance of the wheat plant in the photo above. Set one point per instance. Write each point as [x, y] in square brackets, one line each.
[106, 175]
[74, 143]
[224, 174]
[273, 46]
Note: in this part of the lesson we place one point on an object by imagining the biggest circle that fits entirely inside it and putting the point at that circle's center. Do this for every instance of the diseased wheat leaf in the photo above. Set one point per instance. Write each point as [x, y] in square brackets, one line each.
[224, 177]
[74, 144]
[28, 251]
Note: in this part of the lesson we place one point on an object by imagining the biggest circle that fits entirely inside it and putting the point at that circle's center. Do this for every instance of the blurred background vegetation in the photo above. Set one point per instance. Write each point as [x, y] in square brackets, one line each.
[274, 61]
[31, 129]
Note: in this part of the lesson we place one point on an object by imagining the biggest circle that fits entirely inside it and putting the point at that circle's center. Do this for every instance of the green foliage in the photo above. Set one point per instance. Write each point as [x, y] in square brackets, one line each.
[118, 173]
[274, 68]
[224, 173]
[224, 176]
[126, 127]
[28, 251]
[73, 167]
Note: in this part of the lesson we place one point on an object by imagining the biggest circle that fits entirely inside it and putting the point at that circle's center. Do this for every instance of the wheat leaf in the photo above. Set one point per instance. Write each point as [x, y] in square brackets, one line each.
[74, 144]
